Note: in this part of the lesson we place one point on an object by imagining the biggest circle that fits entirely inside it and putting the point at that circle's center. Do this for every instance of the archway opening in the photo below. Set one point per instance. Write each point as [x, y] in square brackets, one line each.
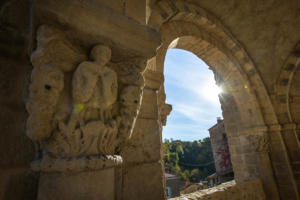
[191, 90]
[190, 161]
[243, 120]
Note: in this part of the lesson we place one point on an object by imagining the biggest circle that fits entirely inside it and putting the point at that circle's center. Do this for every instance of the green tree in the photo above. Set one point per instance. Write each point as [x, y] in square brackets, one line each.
[189, 160]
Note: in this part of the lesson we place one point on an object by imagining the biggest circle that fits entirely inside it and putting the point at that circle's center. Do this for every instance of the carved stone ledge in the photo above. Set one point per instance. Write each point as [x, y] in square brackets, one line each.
[91, 22]
[88, 163]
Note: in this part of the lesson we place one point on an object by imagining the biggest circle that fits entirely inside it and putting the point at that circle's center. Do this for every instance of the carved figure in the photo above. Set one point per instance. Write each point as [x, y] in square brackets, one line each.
[91, 129]
[95, 85]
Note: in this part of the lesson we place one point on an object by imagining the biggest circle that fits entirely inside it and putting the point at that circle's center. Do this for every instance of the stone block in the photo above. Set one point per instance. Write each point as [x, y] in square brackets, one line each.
[91, 185]
[149, 109]
[145, 144]
[143, 181]
[136, 9]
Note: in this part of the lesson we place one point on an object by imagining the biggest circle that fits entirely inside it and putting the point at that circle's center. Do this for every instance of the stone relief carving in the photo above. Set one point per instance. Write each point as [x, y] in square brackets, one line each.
[77, 107]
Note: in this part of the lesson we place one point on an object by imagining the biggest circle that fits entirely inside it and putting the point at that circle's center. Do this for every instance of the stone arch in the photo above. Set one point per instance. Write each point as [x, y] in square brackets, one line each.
[167, 11]
[283, 87]
[186, 26]
[287, 99]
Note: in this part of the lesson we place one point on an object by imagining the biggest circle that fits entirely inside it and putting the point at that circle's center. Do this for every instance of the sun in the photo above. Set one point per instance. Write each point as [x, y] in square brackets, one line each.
[210, 91]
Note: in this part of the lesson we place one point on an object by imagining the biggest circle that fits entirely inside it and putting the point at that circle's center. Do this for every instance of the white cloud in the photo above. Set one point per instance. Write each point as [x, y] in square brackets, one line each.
[194, 112]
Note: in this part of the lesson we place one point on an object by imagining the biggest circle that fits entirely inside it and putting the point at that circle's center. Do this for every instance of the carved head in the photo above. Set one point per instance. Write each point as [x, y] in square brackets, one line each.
[101, 54]
[130, 96]
[47, 83]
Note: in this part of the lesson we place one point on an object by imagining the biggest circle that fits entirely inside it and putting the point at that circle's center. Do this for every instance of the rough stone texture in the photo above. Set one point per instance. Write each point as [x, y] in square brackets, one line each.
[250, 190]
[91, 185]
[143, 181]
[136, 9]
[144, 146]
[92, 22]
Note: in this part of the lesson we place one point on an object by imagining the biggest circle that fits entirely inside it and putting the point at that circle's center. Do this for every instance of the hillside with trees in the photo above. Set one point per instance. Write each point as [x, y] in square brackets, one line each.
[189, 160]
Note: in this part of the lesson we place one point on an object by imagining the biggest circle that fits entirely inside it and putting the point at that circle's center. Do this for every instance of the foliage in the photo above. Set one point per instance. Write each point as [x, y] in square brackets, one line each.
[190, 160]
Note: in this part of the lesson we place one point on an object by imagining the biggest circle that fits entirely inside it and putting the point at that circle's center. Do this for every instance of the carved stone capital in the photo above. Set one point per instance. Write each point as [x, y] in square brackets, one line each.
[81, 106]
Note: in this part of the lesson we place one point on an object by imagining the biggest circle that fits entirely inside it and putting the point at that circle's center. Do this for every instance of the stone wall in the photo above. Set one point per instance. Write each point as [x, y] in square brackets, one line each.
[250, 190]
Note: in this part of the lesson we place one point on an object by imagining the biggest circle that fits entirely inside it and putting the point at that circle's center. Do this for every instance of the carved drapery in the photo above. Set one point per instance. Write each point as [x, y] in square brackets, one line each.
[82, 108]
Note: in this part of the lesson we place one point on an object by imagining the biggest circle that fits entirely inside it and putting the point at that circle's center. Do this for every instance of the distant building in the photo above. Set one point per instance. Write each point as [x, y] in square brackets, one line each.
[173, 185]
[221, 154]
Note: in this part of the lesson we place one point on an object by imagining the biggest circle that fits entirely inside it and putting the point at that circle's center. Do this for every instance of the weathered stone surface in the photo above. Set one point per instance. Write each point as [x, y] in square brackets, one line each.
[136, 9]
[93, 22]
[149, 109]
[143, 181]
[250, 190]
[145, 143]
[93, 185]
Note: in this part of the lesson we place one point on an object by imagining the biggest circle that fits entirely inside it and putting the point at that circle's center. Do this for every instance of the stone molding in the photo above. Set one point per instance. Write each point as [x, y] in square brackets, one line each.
[283, 85]
[87, 163]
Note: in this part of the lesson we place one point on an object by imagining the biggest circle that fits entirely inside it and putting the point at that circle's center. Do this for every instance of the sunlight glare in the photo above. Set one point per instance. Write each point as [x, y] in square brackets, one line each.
[211, 91]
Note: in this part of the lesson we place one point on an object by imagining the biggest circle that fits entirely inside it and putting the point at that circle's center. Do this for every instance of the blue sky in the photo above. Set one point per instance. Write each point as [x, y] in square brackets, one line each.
[191, 90]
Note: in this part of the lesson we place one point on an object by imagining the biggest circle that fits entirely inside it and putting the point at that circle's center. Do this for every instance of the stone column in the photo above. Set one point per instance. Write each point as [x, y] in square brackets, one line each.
[82, 109]
[143, 173]
[85, 94]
